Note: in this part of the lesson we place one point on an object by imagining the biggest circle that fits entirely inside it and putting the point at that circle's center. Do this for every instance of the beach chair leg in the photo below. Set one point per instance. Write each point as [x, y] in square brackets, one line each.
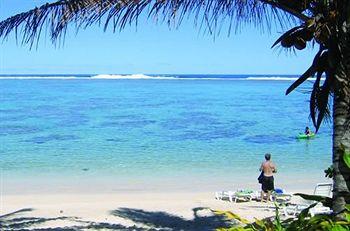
[311, 213]
[284, 212]
[231, 198]
[219, 195]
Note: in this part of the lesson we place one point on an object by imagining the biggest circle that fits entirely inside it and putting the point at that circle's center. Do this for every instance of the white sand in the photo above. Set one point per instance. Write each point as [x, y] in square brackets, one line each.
[166, 211]
[114, 206]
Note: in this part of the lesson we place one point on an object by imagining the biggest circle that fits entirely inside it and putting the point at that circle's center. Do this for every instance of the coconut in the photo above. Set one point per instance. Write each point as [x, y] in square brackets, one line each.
[287, 42]
[306, 34]
[299, 43]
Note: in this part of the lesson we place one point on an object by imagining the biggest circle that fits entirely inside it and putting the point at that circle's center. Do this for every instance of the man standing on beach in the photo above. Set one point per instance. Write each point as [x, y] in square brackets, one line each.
[267, 184]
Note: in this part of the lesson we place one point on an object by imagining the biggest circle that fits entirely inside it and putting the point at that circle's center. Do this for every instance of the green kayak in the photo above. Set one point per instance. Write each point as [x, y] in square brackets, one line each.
[304, 136]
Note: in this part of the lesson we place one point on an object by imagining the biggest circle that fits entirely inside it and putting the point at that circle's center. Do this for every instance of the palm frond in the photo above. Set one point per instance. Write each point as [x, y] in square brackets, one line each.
[119, 13]
[314, 96]
[308, 73]
[285, 35]
[319, 105]
[54, 16]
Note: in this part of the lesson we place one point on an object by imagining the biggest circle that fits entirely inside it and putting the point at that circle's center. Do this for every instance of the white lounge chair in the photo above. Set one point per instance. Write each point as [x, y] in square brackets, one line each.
[235, 196]
[321, 189]
[223, 195]
[281, 196]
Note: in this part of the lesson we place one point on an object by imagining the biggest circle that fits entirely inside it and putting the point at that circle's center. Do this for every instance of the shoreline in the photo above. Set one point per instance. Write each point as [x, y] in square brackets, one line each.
[145, 184]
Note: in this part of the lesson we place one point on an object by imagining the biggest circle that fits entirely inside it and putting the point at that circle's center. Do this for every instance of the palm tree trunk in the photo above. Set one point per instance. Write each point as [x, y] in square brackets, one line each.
[341, 124]
[341, 140]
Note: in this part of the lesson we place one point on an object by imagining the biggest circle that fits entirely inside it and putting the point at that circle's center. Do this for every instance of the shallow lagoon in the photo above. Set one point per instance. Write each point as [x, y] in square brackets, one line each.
[213, 132]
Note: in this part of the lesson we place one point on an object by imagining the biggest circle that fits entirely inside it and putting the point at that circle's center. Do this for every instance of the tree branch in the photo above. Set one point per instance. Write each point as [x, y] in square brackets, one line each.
[274, 3]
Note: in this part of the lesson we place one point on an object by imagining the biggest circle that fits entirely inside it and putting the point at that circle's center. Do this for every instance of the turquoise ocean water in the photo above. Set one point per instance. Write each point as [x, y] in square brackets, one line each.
[188, 131]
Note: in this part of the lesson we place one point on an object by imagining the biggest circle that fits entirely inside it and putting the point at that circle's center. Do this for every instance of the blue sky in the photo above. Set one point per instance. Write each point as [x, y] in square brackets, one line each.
[149, 48]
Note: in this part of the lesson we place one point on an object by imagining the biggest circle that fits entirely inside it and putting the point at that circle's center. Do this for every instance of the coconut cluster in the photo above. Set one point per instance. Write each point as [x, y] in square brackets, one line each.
[298, 39]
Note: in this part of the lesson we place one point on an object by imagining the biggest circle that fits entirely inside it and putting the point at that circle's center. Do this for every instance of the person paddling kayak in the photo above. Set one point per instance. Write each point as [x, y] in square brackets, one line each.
[306, 134]
[307, 131]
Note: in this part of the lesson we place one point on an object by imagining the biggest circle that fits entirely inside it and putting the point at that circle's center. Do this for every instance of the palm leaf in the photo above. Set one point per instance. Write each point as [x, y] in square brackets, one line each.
[231, 216]
[326, 201]
[286, 34]
[346, 157]
[308, 73]
[323, 102]
[319, 108]
[59, 15]
[314, 98]
[305, 212]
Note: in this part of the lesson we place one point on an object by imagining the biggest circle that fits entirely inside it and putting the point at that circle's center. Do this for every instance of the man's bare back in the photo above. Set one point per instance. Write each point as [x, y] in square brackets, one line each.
[268, 167]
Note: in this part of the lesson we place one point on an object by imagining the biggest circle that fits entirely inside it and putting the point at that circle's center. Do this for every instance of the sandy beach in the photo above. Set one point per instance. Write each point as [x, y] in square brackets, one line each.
[187, 211]
[123, 211]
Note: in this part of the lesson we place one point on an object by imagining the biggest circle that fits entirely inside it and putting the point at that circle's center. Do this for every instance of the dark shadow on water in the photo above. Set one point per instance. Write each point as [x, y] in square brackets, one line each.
[209, 134]
[116, 140]
[269, 139]
[127, 124]
[144, 220]
[51, 137]
[17, 129]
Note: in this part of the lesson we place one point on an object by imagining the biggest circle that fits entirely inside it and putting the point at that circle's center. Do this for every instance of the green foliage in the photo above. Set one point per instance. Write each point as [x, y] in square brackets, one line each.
[346, 155]
[303, 221]
[326, 201]
[231, 216]
[329, 172]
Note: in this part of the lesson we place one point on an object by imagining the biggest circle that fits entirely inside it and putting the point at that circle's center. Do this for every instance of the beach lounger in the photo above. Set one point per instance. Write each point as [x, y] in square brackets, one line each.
[235, 196]
[321, 189]
[224, 195]
[324, 189]
[281, 196]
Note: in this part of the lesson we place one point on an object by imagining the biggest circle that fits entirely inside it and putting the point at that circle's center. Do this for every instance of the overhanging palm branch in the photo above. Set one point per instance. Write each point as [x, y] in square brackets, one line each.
[312, 15]
[118, 13]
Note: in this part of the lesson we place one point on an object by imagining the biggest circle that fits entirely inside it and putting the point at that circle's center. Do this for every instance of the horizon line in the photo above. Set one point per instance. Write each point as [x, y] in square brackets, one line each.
[166, 74]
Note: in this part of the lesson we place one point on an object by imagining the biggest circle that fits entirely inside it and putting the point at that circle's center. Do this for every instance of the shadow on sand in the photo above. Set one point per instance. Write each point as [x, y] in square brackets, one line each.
[18, 221]
[143, 220]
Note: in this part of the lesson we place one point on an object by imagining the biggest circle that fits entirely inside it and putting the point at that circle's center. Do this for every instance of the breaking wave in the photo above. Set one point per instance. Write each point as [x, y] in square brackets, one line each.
[135, 76]
[153, 77]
